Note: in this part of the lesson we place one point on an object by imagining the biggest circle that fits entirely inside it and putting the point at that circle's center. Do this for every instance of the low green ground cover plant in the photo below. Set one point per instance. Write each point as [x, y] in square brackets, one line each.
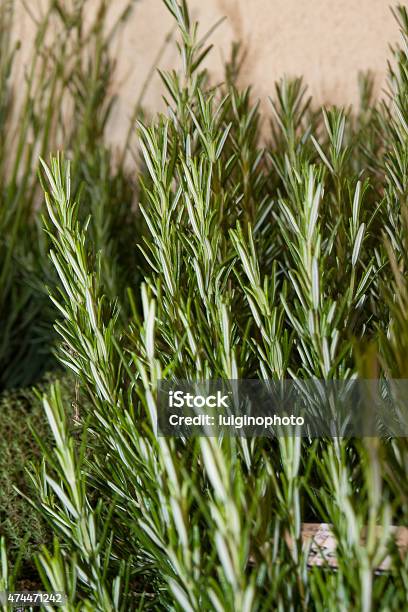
[287, 260]
[21, 415]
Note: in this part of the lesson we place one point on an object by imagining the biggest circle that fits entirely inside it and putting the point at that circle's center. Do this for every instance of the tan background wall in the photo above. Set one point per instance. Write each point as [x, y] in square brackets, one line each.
[327, 41]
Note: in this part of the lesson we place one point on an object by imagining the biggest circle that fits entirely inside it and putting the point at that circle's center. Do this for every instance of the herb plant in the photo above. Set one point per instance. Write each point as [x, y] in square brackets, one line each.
[280, 261]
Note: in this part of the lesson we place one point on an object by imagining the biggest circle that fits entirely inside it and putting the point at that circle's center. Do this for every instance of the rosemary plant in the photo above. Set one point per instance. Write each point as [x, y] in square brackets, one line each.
[51, 108]
[278, 261]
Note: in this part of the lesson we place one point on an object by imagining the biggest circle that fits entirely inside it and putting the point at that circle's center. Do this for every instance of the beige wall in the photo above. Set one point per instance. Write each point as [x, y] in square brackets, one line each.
[327, 41]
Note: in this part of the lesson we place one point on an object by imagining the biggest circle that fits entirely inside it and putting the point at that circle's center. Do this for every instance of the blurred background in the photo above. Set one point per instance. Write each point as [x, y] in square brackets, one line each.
[327, 42]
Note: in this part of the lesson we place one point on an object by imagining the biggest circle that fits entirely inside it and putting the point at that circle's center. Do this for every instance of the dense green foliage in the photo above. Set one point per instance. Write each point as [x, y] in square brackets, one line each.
[61, 99]
[17, 449]
[22, 422]
[283, 260]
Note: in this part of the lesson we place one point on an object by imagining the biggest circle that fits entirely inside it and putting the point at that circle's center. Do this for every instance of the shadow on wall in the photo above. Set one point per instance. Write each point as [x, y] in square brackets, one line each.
[326, 42]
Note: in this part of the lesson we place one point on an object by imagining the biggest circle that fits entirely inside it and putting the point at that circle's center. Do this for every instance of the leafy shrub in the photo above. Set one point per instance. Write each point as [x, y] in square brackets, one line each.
[282, 261]
[63, 98]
